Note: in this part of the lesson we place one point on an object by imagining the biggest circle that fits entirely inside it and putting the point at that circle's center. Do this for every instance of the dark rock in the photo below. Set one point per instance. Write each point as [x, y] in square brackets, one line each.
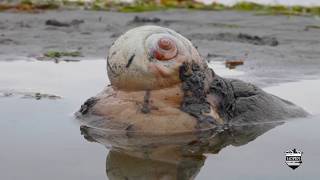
[53, 22]
[8, 41]
[138, 19]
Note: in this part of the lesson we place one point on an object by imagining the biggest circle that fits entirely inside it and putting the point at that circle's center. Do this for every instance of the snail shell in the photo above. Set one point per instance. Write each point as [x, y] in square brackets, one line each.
[148, 58]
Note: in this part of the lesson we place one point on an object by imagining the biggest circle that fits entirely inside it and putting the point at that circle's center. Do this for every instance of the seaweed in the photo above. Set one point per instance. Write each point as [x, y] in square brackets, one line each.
[59, 54]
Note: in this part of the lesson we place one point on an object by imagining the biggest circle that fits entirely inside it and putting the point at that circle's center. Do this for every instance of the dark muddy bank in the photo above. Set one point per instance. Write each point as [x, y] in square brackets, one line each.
[274, 48]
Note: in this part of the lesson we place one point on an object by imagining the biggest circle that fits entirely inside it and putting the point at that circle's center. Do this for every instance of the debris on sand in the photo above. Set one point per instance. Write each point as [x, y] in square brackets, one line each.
[223, 25]
[256, 40]
[8, 41]
[222, 57]
[138, 19]
[57, 55]
[53, 22]
[6, 94]
[241, 37]
[213, 55]
[39, 96]
[29, 95]
[231, 64]
[308, 27]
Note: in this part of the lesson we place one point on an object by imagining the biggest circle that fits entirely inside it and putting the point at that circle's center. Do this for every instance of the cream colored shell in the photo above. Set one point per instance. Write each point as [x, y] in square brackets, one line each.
[131, 65]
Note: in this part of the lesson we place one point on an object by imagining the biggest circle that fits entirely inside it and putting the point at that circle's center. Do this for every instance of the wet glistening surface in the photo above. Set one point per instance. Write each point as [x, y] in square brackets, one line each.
[41, 139]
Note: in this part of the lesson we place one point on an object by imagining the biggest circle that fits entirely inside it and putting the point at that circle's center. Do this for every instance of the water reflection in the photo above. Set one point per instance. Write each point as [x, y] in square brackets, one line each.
[136, 155]
[122, 166]
[41, 142]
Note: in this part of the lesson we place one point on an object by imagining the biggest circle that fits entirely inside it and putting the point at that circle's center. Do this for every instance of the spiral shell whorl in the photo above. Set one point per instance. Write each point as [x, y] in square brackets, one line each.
[166, 49]
[163, 46]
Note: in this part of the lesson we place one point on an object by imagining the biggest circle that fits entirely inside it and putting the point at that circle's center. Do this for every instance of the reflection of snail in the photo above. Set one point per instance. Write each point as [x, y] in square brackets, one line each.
[122, 166]
[160, 84]
[175, 157]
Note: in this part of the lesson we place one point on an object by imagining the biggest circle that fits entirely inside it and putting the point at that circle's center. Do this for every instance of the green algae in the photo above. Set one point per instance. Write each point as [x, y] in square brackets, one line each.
[59, 54]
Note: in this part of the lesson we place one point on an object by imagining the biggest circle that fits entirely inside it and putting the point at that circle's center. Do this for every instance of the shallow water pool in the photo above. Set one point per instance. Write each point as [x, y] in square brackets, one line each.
[41, 140]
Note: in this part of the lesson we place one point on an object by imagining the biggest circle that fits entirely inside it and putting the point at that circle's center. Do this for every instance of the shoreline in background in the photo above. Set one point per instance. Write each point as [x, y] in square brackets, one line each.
[308, 3]
[155, 5]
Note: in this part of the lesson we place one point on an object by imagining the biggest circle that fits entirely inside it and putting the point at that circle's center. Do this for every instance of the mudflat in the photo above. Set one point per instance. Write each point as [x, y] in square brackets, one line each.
[274, 48]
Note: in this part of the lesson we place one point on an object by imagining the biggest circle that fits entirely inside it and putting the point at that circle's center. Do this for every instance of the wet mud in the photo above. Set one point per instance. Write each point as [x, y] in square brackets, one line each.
[195, 90]
[241, 38]
[275, 48]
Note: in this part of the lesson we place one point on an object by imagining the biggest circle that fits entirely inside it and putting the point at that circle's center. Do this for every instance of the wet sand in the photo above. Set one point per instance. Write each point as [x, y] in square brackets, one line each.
[274, 48]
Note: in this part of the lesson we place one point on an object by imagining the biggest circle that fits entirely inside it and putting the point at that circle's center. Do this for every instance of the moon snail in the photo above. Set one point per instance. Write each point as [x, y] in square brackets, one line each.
[161, 84]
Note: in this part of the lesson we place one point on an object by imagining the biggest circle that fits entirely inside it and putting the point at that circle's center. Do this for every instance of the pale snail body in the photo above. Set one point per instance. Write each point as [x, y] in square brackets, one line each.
[147, 59]
[124, 110]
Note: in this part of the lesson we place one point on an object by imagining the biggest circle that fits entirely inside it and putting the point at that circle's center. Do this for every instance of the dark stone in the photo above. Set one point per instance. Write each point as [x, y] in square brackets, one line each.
[53, 22]
[138, 19]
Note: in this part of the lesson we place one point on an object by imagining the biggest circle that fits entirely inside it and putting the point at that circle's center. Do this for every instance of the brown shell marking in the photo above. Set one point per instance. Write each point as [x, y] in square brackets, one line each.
[166, 49]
